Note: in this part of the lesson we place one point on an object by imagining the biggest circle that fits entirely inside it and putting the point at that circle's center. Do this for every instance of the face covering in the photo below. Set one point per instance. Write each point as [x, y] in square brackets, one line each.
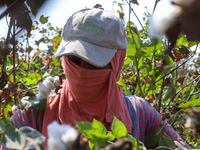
[89, 94]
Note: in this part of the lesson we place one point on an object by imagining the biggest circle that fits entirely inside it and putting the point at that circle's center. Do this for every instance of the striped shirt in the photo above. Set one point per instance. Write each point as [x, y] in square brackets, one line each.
[145, 119]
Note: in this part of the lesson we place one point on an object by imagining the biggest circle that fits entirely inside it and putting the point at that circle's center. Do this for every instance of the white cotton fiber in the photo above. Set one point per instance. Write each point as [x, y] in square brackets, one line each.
[70, 135]
[60, 136]
[46, 86]
[14, 109]
[160, 22]
[56, 81]
[55, 144]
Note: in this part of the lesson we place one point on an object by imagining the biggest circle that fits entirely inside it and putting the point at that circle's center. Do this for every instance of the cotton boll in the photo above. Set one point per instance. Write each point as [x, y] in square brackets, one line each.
[56, 130]
[56, 81]
[41, 96]
[43, 90]
[50, 78]
[55, 144]
[161, 22]
[49, 83]
[70, 135]
[14, 109]
[55, 134]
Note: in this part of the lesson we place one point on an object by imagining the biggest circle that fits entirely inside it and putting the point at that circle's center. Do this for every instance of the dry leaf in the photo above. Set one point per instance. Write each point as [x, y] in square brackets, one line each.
[160, 65]
[97, 6]
[134, 2]
[180, 80]
[167, 82]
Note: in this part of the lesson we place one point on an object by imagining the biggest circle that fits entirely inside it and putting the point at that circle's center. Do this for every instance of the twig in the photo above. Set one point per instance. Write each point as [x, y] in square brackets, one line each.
[183, 88]
[160, 99]
[14, 71]
[32, 141]
[173, 70]
[135, 15]
[138, 76]
[0, 105]
[175, 115]
[154, 53]
[156, 2]
[191, 93]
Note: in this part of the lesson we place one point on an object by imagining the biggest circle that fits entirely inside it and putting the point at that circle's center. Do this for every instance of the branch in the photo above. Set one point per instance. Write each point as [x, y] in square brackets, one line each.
[173, 70]
[11, 7]
[156, 2]
[183, 88]
[135, 15]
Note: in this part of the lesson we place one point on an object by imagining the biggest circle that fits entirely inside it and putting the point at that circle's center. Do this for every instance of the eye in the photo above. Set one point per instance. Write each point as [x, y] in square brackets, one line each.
[74, 59]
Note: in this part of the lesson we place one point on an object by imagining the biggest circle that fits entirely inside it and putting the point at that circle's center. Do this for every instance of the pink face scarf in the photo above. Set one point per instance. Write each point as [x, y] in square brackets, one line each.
[88, 94]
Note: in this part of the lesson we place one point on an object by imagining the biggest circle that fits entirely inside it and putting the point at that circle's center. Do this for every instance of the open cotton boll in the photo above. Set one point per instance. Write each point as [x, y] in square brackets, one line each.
[57, 137]
[70, 135]
[56, 130]
[49, 83]
[161, 22]
[41, 96]
[56, 81]
[43, 91]
[14, 109]
[55, 144]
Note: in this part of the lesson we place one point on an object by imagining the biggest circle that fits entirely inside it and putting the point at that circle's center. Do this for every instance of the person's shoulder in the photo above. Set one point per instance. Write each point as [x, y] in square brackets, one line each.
[136, 99]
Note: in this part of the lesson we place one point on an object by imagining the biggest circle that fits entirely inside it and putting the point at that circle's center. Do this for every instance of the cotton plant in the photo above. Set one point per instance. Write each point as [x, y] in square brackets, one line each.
[46, 86]
[64, 137]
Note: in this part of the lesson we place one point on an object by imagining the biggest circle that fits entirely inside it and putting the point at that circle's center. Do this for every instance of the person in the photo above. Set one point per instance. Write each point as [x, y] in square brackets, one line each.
[93, 50]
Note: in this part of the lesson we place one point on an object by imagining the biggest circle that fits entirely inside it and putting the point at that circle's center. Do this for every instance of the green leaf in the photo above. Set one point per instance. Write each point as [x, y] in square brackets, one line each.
[31, 78]
[195, 103]
[33, 103]
[19, 140]
[158, 138]
[43, 19]
[150, 44]
[91, 144]
[109, 137]
[32, 133]
[182, 41]
[171, 91]
[118, 128]
[92, 130]
[152, 139]
[166, 140]
[134, 43]
[124, 86]
[9, 131]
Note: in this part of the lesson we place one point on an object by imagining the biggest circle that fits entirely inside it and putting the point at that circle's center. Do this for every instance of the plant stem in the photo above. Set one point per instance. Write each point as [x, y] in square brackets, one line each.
[135, 14]
[160, 99]
[14, 70]
[173, 70]
[191, 93]
[183, 88]
[156, 2]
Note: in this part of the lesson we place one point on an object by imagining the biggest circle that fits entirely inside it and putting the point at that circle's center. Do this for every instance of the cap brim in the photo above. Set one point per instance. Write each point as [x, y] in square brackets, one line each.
[93, 54]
